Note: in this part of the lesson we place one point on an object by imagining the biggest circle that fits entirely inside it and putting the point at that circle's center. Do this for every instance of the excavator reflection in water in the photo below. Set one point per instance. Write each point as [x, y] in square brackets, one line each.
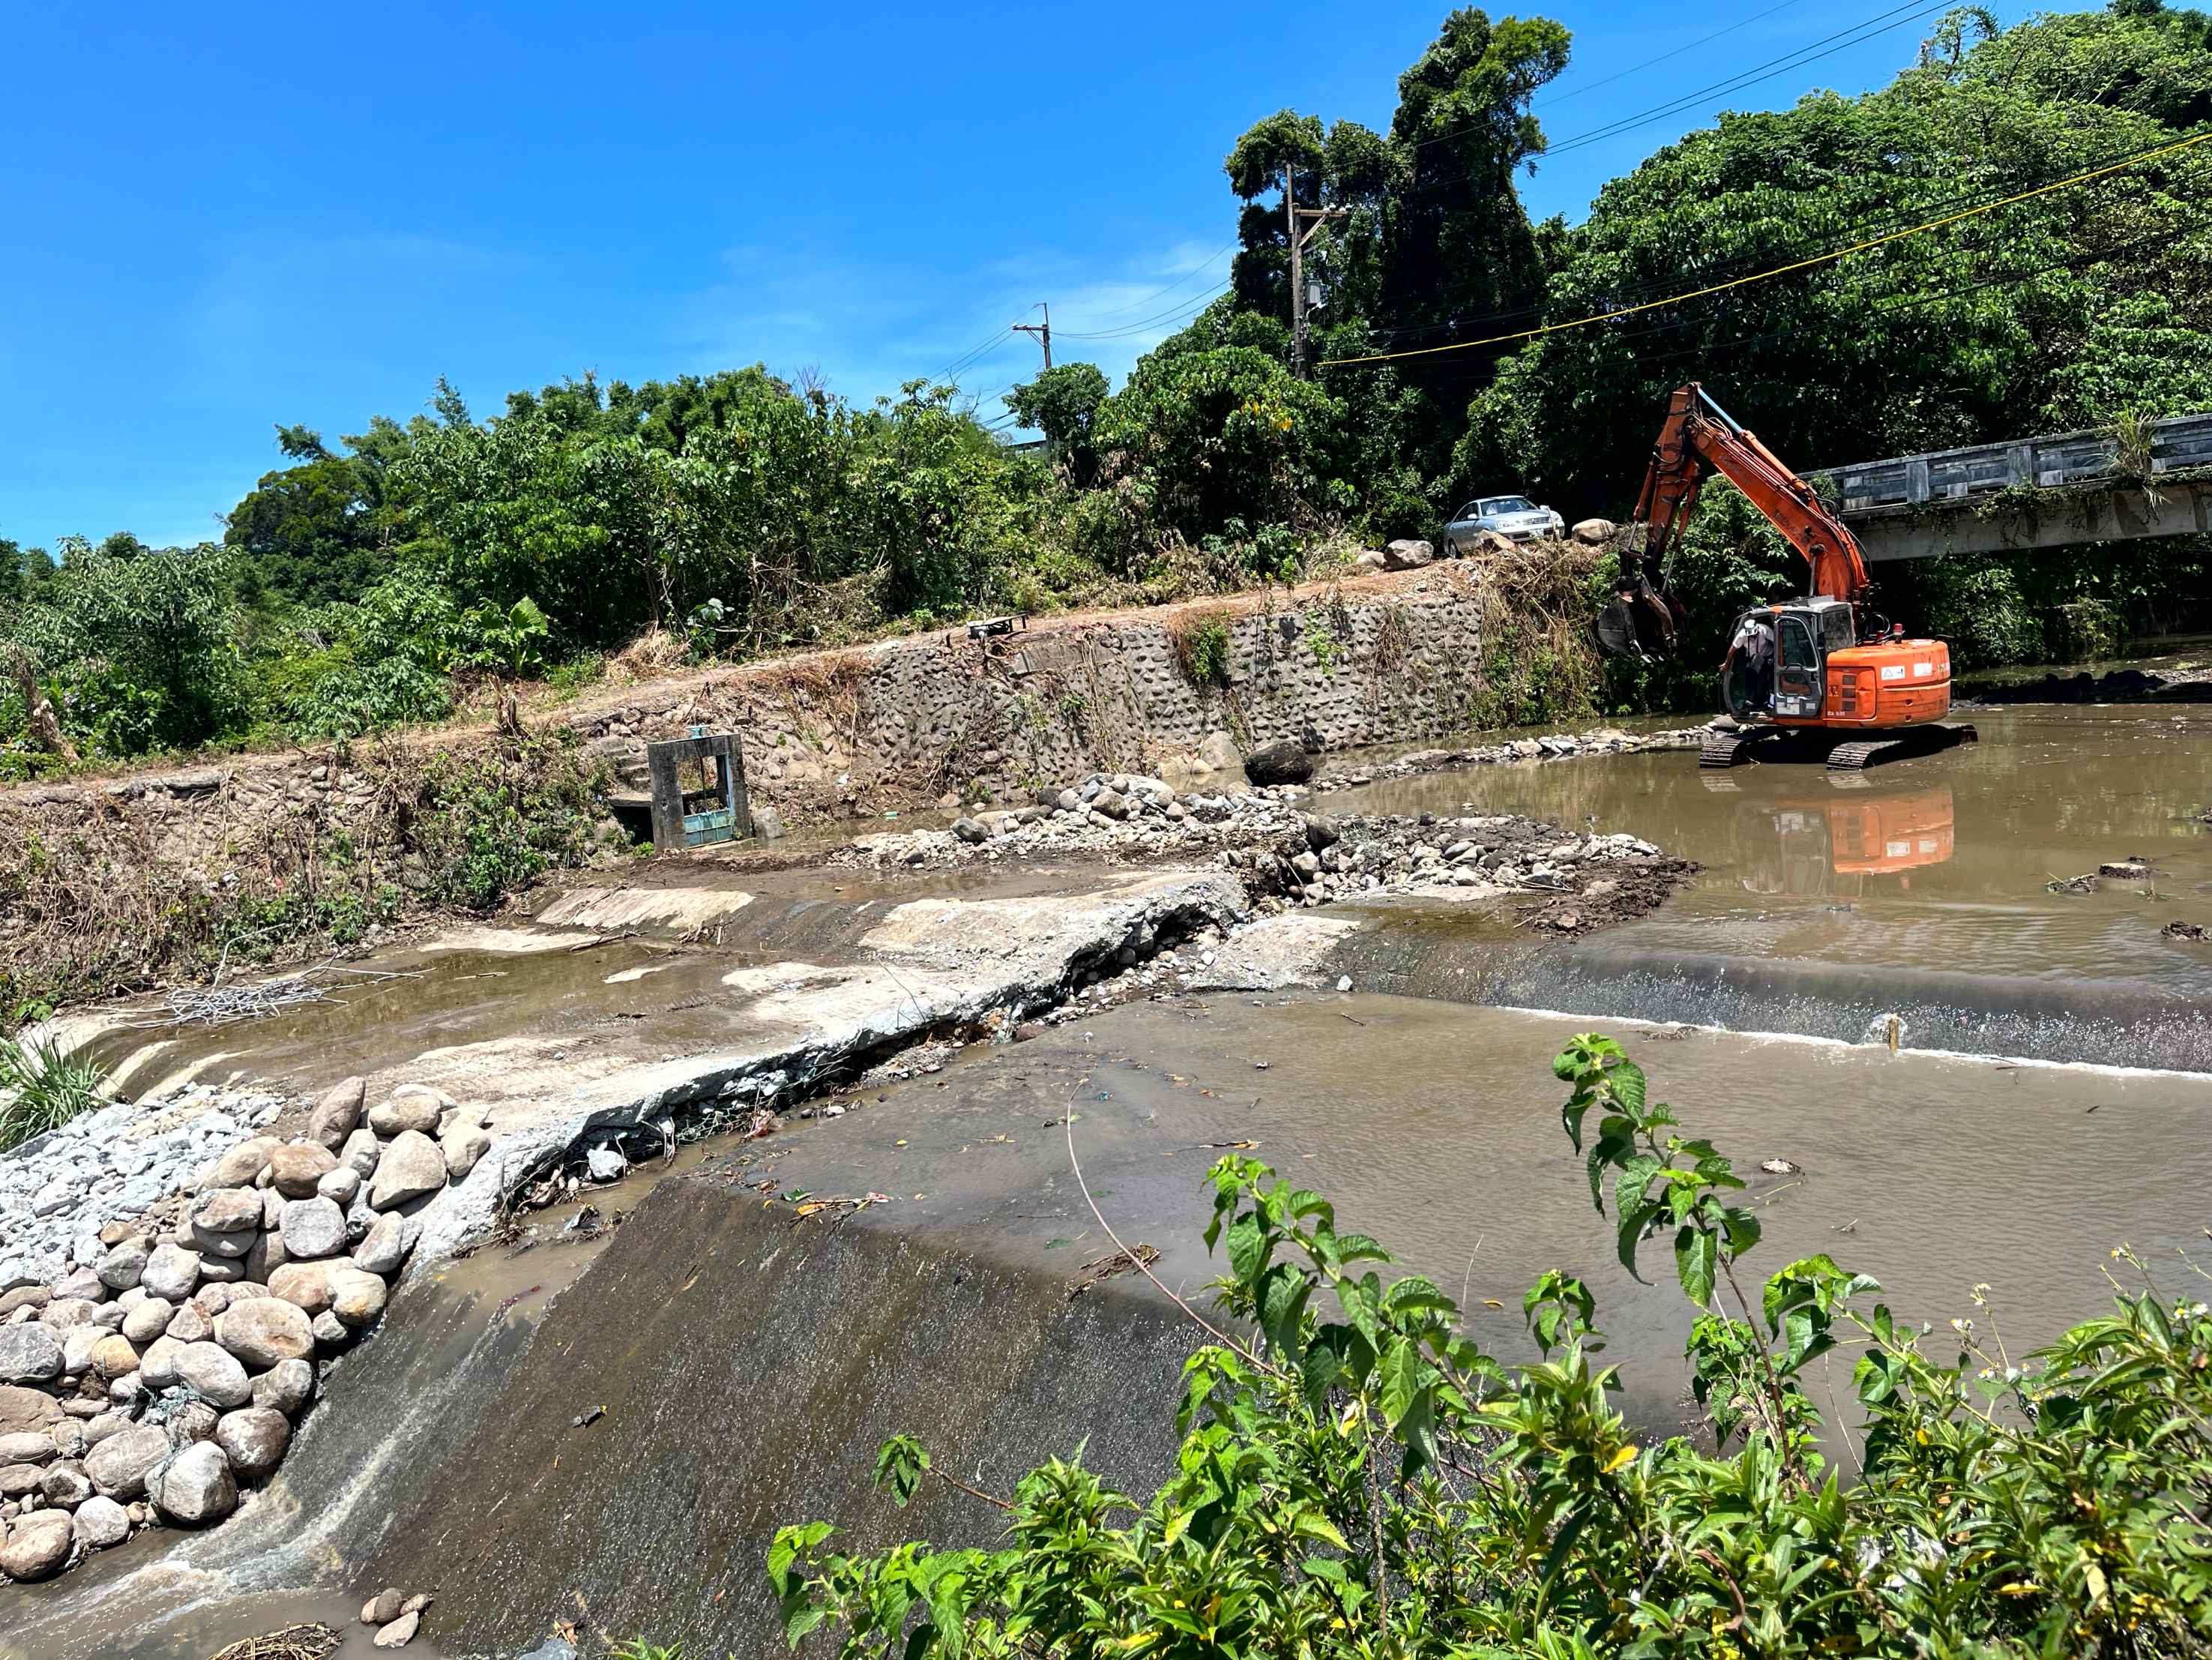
[1801, 842]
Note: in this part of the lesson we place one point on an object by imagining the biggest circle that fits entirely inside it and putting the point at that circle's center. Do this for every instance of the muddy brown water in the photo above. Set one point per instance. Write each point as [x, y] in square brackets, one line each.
[1919, 888]
[749, 1362]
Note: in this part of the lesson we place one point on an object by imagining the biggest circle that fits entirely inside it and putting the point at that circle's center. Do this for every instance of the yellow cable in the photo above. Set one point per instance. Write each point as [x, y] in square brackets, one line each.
[1778, 270]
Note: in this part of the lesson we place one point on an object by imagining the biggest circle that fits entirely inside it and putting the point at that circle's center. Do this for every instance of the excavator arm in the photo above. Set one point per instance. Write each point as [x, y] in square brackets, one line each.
[1699, 435]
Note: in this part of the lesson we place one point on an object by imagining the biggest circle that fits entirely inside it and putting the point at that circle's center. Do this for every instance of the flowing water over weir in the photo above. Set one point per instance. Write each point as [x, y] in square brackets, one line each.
[748, 1362]
[1829, 902]
[744, 1362]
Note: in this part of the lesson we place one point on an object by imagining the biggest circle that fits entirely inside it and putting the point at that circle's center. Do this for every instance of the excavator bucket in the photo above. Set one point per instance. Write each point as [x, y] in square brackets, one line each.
[1641, 622]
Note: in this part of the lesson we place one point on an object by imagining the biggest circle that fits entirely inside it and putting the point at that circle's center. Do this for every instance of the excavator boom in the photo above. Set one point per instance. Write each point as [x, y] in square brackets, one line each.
[1825, 667]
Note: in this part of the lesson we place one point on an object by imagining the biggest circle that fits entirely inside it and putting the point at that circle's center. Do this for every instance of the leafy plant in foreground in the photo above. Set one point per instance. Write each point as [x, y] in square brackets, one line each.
[1358, 1479]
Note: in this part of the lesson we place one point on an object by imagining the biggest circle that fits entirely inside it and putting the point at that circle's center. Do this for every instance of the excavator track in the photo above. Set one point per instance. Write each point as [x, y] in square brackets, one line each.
[1859, 754]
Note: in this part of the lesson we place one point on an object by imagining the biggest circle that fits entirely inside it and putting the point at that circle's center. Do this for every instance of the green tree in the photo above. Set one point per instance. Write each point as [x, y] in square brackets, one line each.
[1063, 403]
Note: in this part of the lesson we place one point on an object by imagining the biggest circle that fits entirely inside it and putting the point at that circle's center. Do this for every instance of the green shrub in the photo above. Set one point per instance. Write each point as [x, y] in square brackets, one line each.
[1358, 1479]
[487, 827]
[41, 1088]
[1201, 648]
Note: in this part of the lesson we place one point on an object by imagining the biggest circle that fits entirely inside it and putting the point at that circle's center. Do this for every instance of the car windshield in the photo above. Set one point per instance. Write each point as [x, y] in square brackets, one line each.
[1508, 504]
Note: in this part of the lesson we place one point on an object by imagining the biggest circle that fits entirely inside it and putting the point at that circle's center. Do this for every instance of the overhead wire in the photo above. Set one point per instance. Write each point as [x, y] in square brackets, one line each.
[1805, 264]
[1649, 63]
[1191, 309]
[1211, 259]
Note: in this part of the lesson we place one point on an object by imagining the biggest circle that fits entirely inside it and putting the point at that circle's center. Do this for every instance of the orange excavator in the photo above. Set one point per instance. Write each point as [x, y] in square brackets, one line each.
[1823, 678]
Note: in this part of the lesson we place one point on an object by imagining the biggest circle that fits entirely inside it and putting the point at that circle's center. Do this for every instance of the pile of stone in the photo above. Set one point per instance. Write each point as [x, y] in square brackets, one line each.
[57, 1189]
[394, 1615]
[1551, 746]
[1108, 814]
[153, 1384]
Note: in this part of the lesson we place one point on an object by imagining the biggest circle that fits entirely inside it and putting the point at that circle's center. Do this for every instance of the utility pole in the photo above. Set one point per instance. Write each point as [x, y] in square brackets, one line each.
[1292, 214]
[1043, 331]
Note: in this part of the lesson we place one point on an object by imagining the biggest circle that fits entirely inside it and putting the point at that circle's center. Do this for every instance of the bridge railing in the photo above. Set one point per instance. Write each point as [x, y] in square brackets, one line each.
[2176, 443]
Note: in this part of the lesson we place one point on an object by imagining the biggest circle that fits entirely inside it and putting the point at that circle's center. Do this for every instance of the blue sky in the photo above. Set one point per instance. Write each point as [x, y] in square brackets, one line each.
[220, 218]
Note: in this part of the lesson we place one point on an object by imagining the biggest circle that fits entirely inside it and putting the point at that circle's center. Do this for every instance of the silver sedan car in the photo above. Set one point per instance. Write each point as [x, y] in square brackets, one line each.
[1514, 516]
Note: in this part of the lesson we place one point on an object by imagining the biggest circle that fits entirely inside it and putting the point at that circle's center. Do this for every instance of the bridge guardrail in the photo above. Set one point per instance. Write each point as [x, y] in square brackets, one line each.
[2177, 442]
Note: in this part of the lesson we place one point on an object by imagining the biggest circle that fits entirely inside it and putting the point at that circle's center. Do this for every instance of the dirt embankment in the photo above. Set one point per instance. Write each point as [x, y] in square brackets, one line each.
[280, 856]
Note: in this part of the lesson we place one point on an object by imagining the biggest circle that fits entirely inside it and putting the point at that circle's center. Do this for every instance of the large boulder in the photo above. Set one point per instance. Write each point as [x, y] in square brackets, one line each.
[304, 1285]
[22, 1409]
[254, 1438]
[215, 1371]
[148, 1320]
[412, 1165]
[1219, 751]
[1371, 559]
[267, 1331]
[120, 1268]
[338, 1114]
[196, 1486]
[30, 1353]
[1594, 533]
[225, 1220]
[362, 1150]
[1407, 553]
[118, 1466]
[356, 1298]
[297, 1166]
[172, 1273]
[316, 1227]
[464, 1144]
[384, 1249]
[409, 1110]
[100, 1522]
[241, 1166]
[26, 1447]
[1280, 763]
[285, 1387]
[39, 1545]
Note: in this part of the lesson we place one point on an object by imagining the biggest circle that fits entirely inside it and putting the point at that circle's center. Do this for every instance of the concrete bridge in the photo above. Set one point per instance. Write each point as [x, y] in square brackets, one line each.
[1917, 507]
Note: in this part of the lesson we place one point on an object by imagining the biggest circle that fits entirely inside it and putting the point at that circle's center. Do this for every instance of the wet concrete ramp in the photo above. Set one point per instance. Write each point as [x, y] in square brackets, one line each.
[749, 1369]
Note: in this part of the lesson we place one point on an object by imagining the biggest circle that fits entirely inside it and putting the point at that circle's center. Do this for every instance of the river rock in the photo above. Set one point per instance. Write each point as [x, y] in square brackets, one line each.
[260, 1334]
[304, 1285]
[383, 1608]
[297, 1166]
[68, 1313]
[157, 1366]
[272, 1207]
[113, 1357]
[1219, 751]
[25, 1447]
[330, 1331]
[399, 1633]
[225, 1220]
[196, 1487]
[464, 1144]
[269, 1253]
[82, 1286]
[120, 1268]
[1407, 553]
[406, 1110]
[37, 1547]
[143, 1324]
[285, 1387]
[25, 1297]
[361, 1151]
[172, 1273]
[316, 1227]
[411, 1167]
[30, 1353]
[241, 1165]
[254, 1438]
[100, 1522]
[385, 1246]
[189, 1324]
[338, 1114]
[17, 1480]
[66, 1484]
[119, 1465]
[213, 1371]
[340, 1186]
[1280, 763]
[94, 1431]
[356, 1298]
[22, 1409]
[1594, 533]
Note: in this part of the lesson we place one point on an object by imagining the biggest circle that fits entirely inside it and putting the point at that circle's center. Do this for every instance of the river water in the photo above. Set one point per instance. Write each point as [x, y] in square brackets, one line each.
[1828, 900]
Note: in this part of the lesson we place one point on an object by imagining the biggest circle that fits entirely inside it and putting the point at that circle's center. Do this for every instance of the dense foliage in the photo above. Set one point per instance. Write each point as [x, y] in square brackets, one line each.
[1356, 1478]
[367, 583]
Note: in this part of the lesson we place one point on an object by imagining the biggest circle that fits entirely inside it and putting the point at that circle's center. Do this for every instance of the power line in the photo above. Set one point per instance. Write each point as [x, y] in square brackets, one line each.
[1192, 309]
[1784, 269]
[1871, 225]
[1637, 69]
[969, 359]
[1202, 264]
